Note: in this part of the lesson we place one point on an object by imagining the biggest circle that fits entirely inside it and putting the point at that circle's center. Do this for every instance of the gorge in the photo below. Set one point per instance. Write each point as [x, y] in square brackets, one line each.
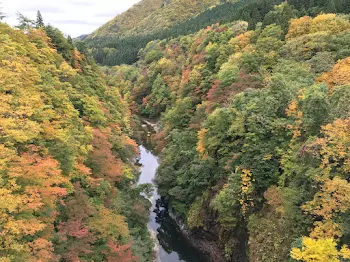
[249, 159]
[171, 245]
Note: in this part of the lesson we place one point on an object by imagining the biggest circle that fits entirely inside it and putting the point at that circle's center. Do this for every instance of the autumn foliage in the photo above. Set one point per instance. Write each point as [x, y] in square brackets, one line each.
[255, 131]
[63, 134]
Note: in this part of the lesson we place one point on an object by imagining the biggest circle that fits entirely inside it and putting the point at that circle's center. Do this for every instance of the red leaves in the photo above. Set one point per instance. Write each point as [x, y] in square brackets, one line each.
[120, 253]
[74, 228]
[102, 158]
[222, 95]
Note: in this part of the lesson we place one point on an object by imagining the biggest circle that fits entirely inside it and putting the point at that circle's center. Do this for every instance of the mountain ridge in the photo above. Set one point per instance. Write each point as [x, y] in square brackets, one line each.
[152, 16]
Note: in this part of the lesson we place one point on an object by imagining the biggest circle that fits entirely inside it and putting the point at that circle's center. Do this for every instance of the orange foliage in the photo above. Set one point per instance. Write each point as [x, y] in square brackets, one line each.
[160, 141]
[83, 169]
[42, 176]
[102, 157]
[241, 41]
[294, 111]
[201, 142]
[339, 75]
[77, 59]
[42, 250]
[120, 253]
[299, 26]
[274, 198]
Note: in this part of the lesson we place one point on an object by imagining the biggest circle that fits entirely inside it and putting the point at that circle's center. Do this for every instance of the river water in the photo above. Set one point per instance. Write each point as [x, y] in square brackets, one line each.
[172, 246]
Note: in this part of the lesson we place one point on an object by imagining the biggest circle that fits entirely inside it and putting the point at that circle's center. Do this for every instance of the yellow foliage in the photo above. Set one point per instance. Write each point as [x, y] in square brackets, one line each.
[299, 26]
[246, 185]
[326, 229]
[320, 250]
[345, 252]
[330, 23]
[109, 225]
[333, 198]
[201, 142]
[335, 146]
[67, 70]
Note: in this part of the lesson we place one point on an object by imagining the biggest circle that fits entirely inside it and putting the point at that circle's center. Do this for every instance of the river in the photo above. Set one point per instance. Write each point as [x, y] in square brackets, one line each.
[171, 244]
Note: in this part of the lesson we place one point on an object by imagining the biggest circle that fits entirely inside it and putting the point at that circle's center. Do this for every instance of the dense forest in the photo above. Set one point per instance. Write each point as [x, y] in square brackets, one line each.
[253, 101]
[116, 43]
[255, 140]
[66, 156]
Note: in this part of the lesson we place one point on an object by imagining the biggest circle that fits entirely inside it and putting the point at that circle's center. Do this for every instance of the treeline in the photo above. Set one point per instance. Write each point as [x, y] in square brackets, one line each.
[66, 158]
[255, 141]
[115, 51]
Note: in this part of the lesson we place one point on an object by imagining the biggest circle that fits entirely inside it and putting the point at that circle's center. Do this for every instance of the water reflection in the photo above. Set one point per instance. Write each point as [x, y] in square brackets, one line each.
[172, 246]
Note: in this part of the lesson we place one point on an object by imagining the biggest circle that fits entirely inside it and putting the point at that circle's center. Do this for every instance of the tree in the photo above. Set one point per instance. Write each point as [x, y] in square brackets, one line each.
[39, 20]
[60, 42]
[24, 22]
[320, 250]
[2, 15]
[70, 40]
[338, 75]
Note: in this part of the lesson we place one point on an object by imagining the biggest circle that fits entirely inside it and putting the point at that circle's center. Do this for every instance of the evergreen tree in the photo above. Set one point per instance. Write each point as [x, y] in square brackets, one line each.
[70, 40]
[39, 20]
[24, 22]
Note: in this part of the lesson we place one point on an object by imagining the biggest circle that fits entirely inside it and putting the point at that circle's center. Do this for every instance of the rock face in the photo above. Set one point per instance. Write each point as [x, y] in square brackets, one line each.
[155, 125]
[205, 241]
[202, 240]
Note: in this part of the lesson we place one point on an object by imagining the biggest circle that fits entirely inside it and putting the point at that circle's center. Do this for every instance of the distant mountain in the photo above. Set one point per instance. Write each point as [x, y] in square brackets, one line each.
[81, 37]
[120, 40]
[149, 16]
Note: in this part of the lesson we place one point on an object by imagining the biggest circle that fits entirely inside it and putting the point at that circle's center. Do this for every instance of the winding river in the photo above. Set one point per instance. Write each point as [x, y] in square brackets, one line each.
[171, 245]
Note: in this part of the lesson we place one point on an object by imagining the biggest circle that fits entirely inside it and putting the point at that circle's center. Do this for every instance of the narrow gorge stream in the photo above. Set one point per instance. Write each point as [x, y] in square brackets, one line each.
[172, 246]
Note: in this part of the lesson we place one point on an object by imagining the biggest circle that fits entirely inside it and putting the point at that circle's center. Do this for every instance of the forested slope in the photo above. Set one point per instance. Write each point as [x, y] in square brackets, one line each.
[255, 141]
[150, 16]
[120, 39]
[112, 45]
[66, 159]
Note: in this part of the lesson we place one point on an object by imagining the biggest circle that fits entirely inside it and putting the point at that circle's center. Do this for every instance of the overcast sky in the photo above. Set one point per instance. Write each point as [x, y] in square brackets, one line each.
[74, 17]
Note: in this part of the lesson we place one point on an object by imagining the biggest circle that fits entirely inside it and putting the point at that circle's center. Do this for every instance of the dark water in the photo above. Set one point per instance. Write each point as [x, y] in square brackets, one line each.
[172, 246]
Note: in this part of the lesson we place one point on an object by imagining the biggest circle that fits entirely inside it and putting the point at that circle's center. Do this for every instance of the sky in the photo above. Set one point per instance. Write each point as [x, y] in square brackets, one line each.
[73, 17]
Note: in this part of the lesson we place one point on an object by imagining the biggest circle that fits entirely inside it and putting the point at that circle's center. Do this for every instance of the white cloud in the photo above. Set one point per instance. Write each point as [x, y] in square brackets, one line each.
[74, 17]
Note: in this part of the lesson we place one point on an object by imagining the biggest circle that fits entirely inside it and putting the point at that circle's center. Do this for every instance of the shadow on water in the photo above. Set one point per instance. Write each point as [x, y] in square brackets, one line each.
[172, 245]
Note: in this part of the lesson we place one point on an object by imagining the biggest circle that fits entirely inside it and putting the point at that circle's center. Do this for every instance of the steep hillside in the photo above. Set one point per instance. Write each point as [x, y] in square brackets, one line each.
[182, 18]
[114, 49]
[150, 16]
[255, 141]
[129, 20]
[66, 159]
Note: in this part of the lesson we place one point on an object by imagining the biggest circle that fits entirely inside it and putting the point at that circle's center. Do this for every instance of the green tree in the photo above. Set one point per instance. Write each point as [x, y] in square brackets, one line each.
[24, 22]
[39, 20]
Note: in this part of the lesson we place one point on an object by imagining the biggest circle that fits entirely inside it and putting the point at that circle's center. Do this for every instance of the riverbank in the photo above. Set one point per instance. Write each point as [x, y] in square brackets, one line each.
[171, 232]
[172, 245]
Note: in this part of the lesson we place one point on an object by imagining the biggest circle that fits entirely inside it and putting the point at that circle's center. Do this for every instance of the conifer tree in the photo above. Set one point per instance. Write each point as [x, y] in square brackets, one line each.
[24, 22]
[70, 40]
[39, 20]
